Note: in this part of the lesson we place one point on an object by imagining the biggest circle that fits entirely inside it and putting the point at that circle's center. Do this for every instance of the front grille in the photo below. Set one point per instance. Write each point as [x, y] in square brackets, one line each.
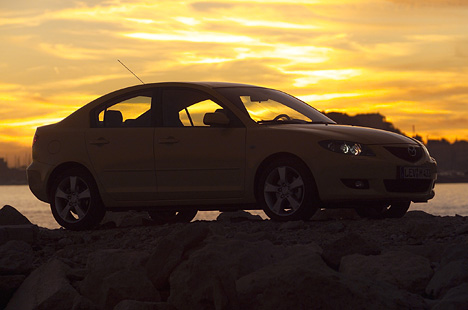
[411, 153]
[408, 186]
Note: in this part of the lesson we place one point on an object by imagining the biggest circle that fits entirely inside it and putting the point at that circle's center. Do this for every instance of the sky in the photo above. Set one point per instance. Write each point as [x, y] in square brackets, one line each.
[405, 59]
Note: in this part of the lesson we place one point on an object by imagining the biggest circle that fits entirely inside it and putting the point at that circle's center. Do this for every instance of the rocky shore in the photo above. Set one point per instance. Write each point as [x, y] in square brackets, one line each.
[335, 261]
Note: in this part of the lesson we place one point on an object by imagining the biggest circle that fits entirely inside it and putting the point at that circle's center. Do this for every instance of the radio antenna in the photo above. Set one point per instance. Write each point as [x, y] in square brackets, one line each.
[130, 71]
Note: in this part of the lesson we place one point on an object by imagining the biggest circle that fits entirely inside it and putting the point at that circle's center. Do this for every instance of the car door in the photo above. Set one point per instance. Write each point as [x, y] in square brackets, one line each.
[120, 147]
[193, 160]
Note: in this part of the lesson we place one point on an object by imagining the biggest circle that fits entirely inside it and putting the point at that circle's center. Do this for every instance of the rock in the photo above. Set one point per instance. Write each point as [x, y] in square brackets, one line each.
[454, 252]
[170, 251]
[405, 270]
[8, 285]
[27, 233]
[335, 227]
[237, 216]
[110, 260]
[347, 245]
[143, 305]
[304, 281]
[447, 277]
[125, 219]
[292, 225]
[455, 299]
[64, 242]
[16, 257]
[462, 230]
[258, 236]
[45, 288]
[127, 284]
[433, 252]
[11, 216]
[335, 214]
[418, 215]
[207, 278]
[83, 303]
[104, 263]
[422, 229]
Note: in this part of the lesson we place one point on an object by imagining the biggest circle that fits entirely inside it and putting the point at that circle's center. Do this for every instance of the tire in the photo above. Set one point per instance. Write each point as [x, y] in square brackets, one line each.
[171, 217]
[286, 190]
[395, 210]
[75, 201]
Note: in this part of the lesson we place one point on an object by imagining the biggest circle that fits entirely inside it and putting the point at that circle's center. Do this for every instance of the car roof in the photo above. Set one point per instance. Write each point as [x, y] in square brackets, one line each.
[207, 84]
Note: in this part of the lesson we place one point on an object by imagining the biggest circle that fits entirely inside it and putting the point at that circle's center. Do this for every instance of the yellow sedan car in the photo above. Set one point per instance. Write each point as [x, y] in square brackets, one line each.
[176, 148]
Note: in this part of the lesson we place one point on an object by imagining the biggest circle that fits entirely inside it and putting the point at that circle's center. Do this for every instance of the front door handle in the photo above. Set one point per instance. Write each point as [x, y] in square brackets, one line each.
[168, 140]
[99, 141]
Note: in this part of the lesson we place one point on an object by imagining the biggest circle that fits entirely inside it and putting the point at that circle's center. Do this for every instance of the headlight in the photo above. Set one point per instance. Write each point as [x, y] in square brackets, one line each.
[347, 148]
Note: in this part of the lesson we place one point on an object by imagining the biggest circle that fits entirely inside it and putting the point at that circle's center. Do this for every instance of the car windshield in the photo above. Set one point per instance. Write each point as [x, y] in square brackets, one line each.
[269, 106]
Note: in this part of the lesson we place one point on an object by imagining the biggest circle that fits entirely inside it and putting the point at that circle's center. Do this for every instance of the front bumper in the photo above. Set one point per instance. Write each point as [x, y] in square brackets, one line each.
[378, 179]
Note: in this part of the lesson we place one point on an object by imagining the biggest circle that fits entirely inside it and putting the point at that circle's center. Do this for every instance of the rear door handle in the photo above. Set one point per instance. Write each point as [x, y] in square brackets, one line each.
[168, 140]
[99, 141]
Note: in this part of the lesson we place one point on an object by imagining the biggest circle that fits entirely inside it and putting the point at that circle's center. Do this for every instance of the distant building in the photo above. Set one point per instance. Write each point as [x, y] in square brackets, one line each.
[451, 157]
[11, 176]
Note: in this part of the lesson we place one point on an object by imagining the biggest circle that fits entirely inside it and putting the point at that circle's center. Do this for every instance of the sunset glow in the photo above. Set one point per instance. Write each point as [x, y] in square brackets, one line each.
[405, 59]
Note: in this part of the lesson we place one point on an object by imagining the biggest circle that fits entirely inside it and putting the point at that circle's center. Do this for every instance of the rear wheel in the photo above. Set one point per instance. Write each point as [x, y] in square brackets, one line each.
[395, 210]
[75, 200]
[163, 217]
[286, 190]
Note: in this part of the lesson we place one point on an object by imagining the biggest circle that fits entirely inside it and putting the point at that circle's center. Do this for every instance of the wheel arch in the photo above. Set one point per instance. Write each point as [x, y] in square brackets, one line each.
[278, 156]
[60, 169]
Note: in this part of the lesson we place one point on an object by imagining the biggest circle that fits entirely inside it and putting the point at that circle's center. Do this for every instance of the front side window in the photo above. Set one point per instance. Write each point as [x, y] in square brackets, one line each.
[269, 106]
[131, 112]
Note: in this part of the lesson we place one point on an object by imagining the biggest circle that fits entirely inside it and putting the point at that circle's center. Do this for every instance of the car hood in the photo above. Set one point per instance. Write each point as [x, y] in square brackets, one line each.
[369, 136]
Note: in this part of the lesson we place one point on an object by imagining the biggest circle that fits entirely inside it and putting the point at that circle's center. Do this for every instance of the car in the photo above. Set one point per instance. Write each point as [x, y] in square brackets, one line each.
[176, 148]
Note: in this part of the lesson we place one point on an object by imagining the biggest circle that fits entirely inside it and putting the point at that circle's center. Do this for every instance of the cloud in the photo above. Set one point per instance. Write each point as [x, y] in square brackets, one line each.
[432, 2]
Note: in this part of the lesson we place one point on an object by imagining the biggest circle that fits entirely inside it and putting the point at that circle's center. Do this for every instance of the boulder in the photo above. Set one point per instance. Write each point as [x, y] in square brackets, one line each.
[16, 257]
[405, 270]
[292, 225]
[206, 279]
[454, 252]
[351, 243]
[335, 214]
[125, 219]
[143, 305]
[27, 233]
[83, 303]
[455, 299]
[423, 229]
[237, 216]
[304, 281]
[448, 276]
[170, 251]
[47, 287]
[103, 263]
[11, 216]
[125, 284]
[462, 230]
[8, 285]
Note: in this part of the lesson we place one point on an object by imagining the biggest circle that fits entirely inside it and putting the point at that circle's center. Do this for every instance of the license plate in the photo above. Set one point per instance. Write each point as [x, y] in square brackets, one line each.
[415, 173]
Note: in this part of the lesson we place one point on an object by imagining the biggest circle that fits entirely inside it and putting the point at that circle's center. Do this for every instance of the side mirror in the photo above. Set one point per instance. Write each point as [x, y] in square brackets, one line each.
[216, 119]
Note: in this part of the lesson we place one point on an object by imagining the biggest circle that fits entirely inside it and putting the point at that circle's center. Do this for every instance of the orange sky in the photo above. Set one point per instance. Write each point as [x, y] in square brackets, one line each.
[406, 59]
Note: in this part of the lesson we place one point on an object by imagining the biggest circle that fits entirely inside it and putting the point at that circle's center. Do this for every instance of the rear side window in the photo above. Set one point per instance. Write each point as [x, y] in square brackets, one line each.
[183, 107]
[131, 112]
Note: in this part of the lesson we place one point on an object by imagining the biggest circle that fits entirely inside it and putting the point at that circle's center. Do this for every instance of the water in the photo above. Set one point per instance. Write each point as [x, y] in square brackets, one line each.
[450, 199]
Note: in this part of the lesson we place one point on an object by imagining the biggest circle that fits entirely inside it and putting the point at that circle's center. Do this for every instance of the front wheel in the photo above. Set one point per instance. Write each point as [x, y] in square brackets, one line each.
[286, 190]
[163, 217]
[75, 201]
